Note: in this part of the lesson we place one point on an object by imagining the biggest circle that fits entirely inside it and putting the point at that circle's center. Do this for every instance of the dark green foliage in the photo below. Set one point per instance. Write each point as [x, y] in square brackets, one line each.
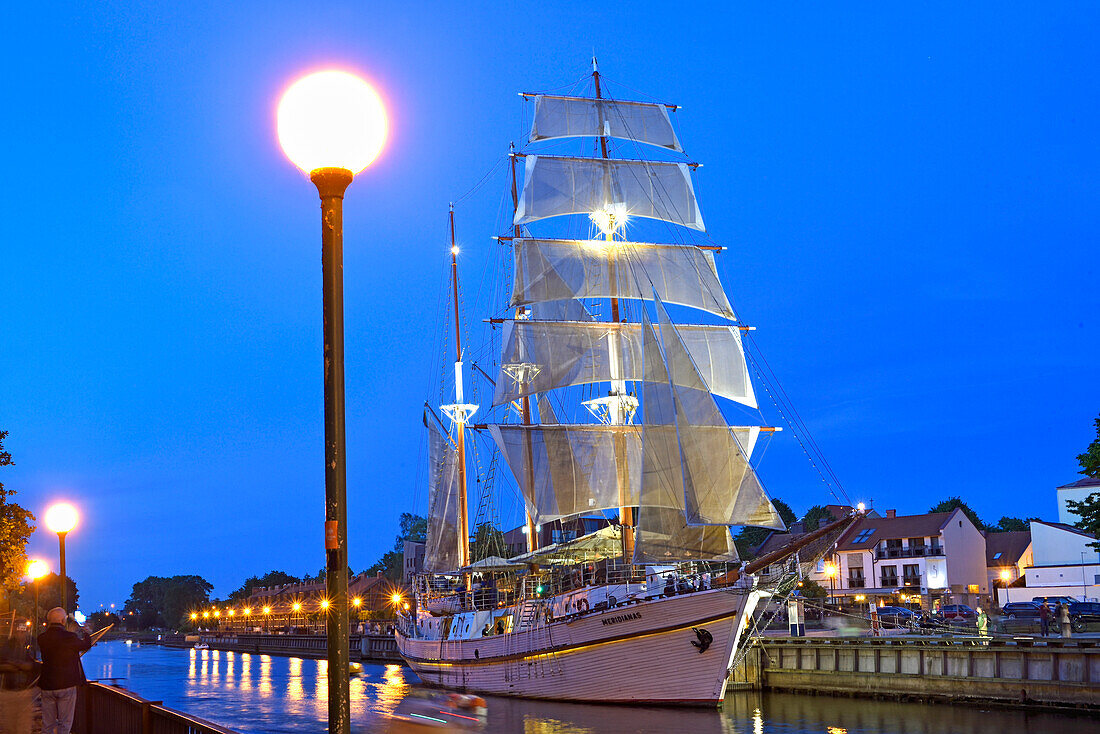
[271, 578]
[488, 541]
[165, 601]
[949, 505]
[49, 596]
[749, 538]
[16, 526]
[813, 590]
[392, 563]
[1088, 510]
[816, 517]
[1090, 460]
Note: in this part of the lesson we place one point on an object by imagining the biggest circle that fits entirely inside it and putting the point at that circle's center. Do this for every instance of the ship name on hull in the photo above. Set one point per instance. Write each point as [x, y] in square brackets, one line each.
[622, 618]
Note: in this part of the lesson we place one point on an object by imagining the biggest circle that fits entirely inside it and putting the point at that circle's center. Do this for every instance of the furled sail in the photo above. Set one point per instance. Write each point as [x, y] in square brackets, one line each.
[557, 185]
[720, 486]
[553, 270]
[662, 533]
[543, 355]
[566, 117]
[441, 548]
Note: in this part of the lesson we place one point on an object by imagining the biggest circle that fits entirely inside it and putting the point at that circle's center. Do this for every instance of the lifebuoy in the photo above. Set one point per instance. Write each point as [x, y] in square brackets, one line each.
[612, 602]
[582, 605]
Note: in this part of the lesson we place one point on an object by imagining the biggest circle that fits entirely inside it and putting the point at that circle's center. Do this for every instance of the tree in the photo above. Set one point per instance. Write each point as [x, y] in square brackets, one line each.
[15, 529]
[392, 563]
[812, 590]
[1088, 509]
[166, 601]
[949, 505]
[750, 538]
[1090, 460]
[1011, 524]
[488, 541]
[269, 579]
[813, 517]
[49, 596]
[99, 620]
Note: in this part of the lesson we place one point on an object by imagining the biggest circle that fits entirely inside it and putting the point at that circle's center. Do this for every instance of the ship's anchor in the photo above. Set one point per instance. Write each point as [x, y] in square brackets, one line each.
[705, 638]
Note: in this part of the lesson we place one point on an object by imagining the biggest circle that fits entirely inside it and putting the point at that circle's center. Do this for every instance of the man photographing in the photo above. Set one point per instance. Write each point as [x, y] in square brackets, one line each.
[61, 671]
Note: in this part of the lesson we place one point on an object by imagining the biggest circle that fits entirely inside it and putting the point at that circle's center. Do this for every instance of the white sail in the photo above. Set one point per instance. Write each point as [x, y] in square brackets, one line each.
[567, 469]
[441, 549]
[554, 270]
[720, 485]
[537, 356]
[566, 117]
[662, 533]
[556, 185]
[564, 470]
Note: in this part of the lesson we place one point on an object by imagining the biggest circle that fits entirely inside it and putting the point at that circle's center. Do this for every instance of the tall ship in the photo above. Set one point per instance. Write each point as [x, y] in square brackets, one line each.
[616, 363]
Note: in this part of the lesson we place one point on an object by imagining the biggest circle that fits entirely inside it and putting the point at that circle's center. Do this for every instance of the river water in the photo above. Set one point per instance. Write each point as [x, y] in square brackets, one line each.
[263, 694]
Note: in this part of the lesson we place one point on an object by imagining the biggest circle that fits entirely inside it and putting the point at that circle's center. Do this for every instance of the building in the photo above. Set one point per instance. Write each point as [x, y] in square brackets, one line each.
[912, 558]
[1007, 555]
[1076, 491]
[413, 560]
[301, 608]
[1062, 564]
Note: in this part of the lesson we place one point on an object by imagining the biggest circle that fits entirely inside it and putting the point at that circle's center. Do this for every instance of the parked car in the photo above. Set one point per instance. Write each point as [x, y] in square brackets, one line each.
[1083, 613]
[1020, 610]
[899, 616]
[958, 614]
[1052, 601]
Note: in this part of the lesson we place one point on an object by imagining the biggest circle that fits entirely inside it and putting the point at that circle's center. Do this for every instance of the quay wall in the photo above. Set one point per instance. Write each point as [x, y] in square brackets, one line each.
[1055, 675]
[364, 648]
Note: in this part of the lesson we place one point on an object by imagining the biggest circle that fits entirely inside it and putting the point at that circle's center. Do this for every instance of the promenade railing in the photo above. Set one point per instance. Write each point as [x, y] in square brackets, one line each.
[103, 709]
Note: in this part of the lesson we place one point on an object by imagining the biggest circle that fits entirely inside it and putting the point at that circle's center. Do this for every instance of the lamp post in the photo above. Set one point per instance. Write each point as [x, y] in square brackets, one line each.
[332, 125]
[36, 569]
[62, 518]
[831, 572]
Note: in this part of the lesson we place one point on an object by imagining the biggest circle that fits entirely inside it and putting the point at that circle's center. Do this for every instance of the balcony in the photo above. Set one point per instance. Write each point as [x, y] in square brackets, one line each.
[920, 551]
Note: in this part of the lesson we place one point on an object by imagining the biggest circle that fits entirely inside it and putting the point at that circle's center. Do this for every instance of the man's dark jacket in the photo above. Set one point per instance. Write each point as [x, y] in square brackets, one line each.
[61, 666]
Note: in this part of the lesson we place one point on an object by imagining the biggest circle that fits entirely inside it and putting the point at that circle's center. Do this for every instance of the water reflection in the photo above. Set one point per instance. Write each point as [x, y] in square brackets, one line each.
[259, 694]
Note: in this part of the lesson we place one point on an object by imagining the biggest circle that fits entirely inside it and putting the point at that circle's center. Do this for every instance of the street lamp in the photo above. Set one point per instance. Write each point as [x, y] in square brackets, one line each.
[831, 572]
[332, 125]
[36, 569]
[62, 518]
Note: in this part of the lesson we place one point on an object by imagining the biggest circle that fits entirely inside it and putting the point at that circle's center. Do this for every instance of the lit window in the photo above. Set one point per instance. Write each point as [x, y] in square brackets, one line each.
[864, 535]
[997, 555]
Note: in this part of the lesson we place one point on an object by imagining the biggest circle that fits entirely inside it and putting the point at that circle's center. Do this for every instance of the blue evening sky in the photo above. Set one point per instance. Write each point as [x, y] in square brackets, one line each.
[909, 195]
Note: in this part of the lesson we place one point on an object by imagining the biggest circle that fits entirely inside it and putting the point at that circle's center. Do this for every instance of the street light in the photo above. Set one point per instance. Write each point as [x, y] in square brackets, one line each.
[36, 569]
[332, 125]
[831, 572]
[62, 518]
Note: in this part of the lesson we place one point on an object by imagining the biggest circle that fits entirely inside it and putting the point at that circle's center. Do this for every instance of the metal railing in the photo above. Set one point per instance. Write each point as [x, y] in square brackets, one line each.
[102, 709]
[920, 551]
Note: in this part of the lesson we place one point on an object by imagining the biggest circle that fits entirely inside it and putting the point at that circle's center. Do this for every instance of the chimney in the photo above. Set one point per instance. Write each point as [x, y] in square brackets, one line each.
[891, 514]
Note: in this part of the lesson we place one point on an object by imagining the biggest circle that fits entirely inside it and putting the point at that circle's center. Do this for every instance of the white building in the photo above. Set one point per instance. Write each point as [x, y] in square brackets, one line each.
[938, 556]
[1063, 564]
[1076, 491]
[1007, 556]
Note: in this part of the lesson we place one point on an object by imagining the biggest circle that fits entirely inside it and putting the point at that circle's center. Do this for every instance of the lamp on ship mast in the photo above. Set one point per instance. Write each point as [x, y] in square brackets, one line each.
[332, 125]
[459, 412]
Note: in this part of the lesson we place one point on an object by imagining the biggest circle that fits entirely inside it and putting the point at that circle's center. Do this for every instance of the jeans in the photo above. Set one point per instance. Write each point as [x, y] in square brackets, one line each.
[58, 708]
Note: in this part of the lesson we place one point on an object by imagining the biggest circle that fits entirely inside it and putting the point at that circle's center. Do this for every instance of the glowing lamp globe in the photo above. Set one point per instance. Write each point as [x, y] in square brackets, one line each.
[62, 517]
[331, 119]
[36, 569]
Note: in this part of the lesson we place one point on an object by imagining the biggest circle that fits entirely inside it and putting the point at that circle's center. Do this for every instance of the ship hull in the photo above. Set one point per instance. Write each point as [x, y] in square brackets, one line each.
[638, 653]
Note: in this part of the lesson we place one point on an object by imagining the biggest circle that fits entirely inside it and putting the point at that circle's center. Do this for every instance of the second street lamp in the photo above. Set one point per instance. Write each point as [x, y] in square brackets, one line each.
[62, 518]
[36, 569]
[332, 125]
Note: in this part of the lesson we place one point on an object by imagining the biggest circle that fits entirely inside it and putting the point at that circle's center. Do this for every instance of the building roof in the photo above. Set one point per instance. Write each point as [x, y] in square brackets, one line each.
[891, 528]
[774, 542]
[1083, 482]
[1009, 546]
[1067, 528]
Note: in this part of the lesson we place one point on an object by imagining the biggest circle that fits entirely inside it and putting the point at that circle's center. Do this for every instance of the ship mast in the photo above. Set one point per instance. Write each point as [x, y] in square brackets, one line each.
[616, 405]
[525, 402]
[459, 412]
